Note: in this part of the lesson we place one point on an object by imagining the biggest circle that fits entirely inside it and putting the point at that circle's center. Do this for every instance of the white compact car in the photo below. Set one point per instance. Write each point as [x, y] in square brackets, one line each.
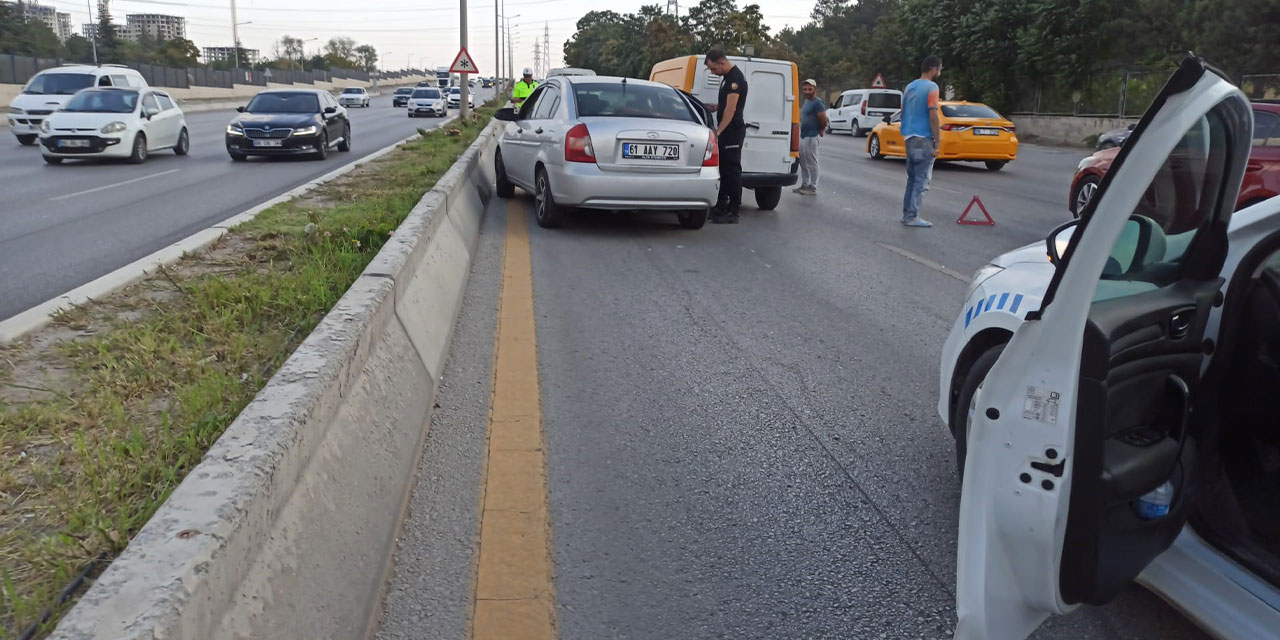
[50, 89]
[354, 97]
[602, 143]
[455, 98]
[114, 123]
[427, 101]
[1113, 392]
[858, 111]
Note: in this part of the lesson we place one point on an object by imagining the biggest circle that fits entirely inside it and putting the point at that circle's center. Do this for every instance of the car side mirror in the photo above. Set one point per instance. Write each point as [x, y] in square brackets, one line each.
[1058, 240]
[150, 113]
[1132, 126]
[887, 119]
[330, 110]
[506, 114]
[240, 109]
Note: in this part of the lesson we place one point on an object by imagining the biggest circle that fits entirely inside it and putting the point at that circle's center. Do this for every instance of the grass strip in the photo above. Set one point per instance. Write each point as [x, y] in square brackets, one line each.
[104, 412]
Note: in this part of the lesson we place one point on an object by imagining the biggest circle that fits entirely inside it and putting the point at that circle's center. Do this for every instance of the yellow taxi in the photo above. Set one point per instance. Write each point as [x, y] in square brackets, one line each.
[970, 131]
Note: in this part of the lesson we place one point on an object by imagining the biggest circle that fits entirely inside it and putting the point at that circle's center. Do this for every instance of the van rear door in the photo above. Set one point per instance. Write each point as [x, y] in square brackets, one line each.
[768, 114]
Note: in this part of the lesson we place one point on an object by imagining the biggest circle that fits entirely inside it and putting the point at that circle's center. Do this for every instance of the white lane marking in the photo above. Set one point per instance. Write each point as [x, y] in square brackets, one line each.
[926, 262]
[112, 186]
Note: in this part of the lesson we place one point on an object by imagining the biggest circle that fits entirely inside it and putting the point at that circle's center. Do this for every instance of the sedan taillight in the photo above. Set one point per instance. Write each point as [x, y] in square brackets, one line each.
[577, 145]
[712, 156]
[955, 127]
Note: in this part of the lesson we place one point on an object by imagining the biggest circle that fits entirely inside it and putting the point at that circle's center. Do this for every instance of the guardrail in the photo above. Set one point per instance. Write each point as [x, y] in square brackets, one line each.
[289, 522]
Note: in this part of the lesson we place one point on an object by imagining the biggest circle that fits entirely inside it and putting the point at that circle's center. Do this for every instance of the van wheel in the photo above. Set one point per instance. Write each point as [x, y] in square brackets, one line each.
[963, 412]
[857, 131]
[767, 198]
[873, 148]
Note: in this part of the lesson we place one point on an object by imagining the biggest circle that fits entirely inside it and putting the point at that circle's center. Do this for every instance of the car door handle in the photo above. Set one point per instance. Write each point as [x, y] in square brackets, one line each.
[753, 125]
[538, 130]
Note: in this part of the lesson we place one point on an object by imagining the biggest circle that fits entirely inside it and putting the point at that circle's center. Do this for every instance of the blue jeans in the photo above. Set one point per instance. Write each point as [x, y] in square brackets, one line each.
[919, 165]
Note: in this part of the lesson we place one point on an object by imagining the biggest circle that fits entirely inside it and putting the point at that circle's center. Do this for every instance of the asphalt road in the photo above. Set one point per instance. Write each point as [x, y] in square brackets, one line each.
[742, 439]
[62, 226]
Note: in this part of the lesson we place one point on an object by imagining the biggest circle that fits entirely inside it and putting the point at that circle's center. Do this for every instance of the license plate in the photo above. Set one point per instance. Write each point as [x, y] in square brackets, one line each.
[268, 143]
[986, 132]
[73, 143]
[647, 151]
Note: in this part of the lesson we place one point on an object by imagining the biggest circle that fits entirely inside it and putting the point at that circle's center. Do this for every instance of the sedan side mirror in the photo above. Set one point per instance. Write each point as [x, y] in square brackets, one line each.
[506, 114]
[887, 119]
[1058, 240]
[330, 110]
[240, 109]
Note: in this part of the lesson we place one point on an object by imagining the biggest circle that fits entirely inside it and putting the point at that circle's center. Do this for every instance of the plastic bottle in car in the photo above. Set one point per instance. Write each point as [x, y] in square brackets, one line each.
[1156, 503]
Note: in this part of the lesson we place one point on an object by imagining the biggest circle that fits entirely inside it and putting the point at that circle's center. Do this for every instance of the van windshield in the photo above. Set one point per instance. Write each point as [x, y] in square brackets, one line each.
[631, 101]
[103, 102]
[884, 101]
[59, 84]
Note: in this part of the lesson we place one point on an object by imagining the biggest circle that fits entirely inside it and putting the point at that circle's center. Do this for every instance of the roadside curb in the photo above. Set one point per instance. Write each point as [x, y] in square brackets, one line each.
[42, 314]
[286, 526]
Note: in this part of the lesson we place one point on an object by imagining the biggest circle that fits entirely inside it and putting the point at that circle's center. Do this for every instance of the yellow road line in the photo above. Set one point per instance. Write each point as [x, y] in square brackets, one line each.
[514, 596]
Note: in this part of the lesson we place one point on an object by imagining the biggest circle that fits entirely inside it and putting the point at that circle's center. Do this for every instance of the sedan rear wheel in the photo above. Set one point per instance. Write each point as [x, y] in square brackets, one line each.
[550, 215]
[694, 219]
[505, 188]
[1085, 188]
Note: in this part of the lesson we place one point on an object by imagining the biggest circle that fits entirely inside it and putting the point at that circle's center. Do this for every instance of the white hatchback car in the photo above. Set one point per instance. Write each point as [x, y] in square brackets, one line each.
[114, 123]
[354, 97]
[1113, 391]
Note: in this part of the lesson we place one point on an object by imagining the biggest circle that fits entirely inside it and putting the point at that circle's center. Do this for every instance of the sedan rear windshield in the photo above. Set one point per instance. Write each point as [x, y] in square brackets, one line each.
[60, 84]
[968, 111]
[103, 102]
[631, 101]
[426, 94]
[884, 101]
[284, 103]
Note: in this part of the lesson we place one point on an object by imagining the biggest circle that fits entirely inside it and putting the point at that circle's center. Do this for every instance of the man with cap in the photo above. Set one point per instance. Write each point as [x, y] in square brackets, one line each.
[813, 125]
[731, 132]
[524, 88]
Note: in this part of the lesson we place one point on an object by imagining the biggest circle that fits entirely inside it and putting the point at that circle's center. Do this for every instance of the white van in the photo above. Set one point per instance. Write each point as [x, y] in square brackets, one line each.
[50, 90]
[772, 114]
[859, 110]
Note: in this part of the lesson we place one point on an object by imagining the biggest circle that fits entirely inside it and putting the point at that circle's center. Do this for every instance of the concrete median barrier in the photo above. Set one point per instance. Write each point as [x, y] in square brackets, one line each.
[287, 527]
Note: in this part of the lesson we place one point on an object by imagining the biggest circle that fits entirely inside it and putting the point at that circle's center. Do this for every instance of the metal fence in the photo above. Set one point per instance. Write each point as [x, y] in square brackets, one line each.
[1125, 93]
[20, 69]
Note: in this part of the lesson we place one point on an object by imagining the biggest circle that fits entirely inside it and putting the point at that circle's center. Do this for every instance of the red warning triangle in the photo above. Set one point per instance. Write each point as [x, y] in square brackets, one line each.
[878, 83]
[980, 223]
[463, 63]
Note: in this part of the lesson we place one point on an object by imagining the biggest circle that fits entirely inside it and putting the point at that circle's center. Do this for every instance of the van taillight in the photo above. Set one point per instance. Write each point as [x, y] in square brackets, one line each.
[577, 145]
[795, 138]
[712, 156]
[864, 107]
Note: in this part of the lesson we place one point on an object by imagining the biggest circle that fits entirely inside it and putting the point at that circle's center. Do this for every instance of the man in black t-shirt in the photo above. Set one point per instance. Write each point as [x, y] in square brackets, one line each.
[731, 133]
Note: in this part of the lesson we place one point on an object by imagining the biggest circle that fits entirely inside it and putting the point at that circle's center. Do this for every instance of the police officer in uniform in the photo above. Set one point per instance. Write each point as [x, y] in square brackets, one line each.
[731, 133]
[524, 88]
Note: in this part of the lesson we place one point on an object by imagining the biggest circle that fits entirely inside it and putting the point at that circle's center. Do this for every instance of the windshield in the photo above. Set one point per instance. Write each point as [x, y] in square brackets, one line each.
[61, 84]
[884, 101]
[634, 101]
[455, 90]
[353, 90]
[284, 103]
[404, 91]
[103, 102]
[968, 111]
[426, 93]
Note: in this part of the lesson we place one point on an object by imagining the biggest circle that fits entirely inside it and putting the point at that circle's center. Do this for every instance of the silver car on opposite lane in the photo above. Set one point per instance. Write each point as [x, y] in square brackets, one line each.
[606, 143]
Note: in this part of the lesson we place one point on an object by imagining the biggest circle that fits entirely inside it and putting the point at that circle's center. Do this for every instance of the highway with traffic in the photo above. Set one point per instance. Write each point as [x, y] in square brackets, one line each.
[741, 430]
[62, 226]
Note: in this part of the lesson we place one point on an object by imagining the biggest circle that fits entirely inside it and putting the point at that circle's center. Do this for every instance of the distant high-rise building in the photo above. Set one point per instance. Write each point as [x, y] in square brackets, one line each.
[58, 22]
[219, 54]
[156, 25]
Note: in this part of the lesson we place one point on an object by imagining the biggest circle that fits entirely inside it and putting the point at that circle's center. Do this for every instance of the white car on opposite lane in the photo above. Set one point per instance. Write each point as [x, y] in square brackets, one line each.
[354, 97]
[116, 123]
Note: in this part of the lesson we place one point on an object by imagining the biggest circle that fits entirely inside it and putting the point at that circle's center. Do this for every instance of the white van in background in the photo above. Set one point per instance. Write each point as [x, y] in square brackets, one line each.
[49, 90]
[570, 71]
[858, 111]
[772, 115]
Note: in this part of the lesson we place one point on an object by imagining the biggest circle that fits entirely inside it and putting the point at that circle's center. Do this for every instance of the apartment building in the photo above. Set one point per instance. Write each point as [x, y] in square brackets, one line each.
[57, 21]
[218, 54]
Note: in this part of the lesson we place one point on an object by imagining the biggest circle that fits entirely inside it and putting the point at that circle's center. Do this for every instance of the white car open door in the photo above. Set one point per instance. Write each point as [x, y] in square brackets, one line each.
[1090, 406]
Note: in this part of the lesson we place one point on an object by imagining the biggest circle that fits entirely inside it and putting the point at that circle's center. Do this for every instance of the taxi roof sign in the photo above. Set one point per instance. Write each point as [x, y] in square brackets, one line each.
[879, 83]
[463, 63]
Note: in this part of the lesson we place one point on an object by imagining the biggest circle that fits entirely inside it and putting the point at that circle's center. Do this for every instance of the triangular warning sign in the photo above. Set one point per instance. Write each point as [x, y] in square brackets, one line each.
[463, 63]
[980, 223]
[878, 83]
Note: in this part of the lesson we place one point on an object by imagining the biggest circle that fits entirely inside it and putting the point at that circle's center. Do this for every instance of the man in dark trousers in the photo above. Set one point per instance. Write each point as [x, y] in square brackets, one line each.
[731, 133]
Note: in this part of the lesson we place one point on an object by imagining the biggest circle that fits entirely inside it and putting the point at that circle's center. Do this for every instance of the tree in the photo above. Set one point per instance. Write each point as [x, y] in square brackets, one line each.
[78, 49]
[25, 37]
[106, 37]
[341, 48]
[178, 52]
[367, 57]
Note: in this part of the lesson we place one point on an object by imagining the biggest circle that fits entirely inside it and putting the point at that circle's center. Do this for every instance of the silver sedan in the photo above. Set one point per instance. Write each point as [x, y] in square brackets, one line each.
[593, 142]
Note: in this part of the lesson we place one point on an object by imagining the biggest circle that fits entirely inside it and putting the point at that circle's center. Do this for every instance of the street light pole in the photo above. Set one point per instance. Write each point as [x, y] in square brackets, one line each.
[463, 107]
[496, 43]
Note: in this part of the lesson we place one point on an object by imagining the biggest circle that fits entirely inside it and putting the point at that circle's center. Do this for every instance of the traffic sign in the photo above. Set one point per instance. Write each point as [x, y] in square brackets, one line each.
[463, 63]
[989, 222]
[878, 83]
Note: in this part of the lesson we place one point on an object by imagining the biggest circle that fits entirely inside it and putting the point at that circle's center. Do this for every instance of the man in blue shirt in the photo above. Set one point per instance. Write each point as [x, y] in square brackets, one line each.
[920, 131]
[813, 124]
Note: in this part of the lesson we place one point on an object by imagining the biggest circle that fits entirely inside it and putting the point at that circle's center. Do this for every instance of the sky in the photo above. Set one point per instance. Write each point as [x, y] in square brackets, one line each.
[409, 34]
